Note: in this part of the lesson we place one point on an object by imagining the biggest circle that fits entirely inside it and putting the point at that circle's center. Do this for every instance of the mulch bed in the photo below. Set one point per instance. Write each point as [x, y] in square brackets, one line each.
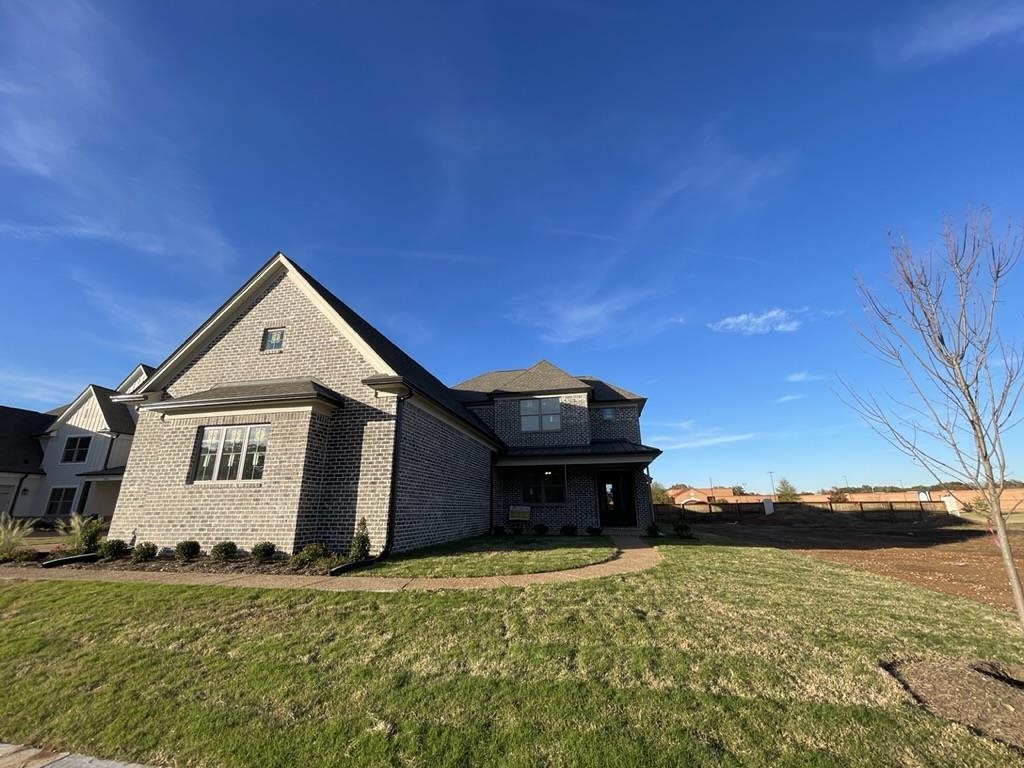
[239, 565]
[986, 696]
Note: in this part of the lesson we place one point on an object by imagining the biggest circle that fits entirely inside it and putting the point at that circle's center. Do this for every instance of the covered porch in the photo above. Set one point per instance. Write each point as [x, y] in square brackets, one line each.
[98, 494]
[601, 485]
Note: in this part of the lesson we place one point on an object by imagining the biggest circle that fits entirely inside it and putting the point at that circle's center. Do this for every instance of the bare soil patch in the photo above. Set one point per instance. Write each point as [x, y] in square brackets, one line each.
[987, 697]
[962, 560]
[241, 565]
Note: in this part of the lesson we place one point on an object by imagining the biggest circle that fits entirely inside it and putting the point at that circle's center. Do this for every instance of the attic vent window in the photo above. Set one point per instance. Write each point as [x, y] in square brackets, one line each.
[273, 340]
[608, 414]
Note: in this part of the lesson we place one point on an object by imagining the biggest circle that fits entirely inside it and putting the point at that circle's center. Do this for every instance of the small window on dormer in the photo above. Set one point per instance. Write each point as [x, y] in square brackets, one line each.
[273, 340]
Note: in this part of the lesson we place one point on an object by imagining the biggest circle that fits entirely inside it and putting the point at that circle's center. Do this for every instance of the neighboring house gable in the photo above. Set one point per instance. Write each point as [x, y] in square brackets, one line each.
[21, 457]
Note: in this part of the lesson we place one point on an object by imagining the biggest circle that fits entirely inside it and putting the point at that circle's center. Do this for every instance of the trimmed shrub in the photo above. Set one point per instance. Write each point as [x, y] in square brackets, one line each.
[223, 551]
[593, 531]
[26, 555]
[263, 551]
[360, 549]
[186, 550]
[498, 530]
[144, 552]
[653, 530]
[112, 549]
[309, 555]
[682, 529]
[568, 530]
[540, 529]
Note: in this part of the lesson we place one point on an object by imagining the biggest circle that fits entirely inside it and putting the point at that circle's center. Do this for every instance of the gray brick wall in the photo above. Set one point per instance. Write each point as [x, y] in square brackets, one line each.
[579, 509]
[625, 425]
[575, 423]
[443, 482]
[350, 479]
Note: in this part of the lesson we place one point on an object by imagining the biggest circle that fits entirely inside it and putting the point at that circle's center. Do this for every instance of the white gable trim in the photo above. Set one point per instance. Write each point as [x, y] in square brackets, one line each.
[208, 330]
[77, 403]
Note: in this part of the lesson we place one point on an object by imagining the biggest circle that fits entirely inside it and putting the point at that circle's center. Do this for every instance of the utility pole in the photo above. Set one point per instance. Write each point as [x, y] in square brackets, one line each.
[771, 477]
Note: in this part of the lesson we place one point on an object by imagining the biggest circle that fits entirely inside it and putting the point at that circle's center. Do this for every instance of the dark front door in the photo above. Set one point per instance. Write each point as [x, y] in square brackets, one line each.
[615, 499]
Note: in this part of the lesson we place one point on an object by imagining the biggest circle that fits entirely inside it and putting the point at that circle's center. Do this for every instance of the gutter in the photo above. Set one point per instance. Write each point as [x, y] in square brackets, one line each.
[392, 500]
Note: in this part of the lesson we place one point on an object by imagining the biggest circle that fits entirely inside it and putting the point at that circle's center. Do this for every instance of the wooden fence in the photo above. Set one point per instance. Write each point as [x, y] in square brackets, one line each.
[811, 513]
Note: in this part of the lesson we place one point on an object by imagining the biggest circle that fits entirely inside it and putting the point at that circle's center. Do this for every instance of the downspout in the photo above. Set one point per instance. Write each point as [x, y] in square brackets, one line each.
[389, 537]
[17, 492]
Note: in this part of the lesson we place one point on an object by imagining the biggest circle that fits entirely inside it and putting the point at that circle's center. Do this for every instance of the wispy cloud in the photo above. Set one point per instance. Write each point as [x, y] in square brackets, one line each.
[146, 326]
[685, 434]
[789, 398]
[46, 390]
[712, 170]
[590, 313]
[561, 232]
[952, 30]
[413, 254]
[802, 376]
[754, 323]
[73, 119]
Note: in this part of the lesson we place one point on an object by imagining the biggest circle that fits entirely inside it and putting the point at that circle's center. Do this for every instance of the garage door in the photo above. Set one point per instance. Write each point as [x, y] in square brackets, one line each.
[6, 492]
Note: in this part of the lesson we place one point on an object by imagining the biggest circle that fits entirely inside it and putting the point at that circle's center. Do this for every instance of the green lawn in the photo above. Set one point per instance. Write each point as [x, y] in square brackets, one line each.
[497, 556]
[720, 656]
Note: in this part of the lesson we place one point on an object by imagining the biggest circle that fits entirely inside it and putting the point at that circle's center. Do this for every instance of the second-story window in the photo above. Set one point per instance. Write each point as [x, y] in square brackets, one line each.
[76, 449]
[540, 414]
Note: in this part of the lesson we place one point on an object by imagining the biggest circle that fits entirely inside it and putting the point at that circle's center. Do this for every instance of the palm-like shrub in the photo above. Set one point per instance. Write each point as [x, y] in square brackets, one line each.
[13, 533]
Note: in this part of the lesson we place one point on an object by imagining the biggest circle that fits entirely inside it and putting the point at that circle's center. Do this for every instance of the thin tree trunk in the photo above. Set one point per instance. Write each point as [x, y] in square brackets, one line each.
[1011, 570]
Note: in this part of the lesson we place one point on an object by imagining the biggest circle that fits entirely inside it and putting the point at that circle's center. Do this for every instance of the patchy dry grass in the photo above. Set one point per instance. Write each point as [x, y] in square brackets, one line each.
[497, 556]
[720, 656]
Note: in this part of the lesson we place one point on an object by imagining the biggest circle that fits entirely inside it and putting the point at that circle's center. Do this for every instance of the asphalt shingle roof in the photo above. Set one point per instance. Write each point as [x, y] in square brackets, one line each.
[541, 377]
[20, 450]
[117, 415]
[267, 389]
[596, 448]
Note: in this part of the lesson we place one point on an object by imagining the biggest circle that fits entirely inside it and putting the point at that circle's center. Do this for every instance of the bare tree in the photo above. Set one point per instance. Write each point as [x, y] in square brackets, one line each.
[941, 332]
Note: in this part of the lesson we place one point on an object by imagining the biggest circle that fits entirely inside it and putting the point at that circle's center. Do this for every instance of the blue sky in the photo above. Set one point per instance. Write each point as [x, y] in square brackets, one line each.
[674, 199]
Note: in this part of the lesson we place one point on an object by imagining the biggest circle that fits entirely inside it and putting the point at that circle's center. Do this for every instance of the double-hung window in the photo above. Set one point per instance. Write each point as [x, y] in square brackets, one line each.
[540, 414]
[59, 503]
[544, 486]
[76, 449]
[232, 453]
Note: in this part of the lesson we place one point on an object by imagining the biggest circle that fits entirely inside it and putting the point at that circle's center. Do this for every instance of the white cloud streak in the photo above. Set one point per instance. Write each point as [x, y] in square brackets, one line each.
[789, 398]
[800, 377]
[753, 323]
[952, 30]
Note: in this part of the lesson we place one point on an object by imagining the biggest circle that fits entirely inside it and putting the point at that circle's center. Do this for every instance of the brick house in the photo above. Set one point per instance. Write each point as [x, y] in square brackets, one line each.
[286, 417]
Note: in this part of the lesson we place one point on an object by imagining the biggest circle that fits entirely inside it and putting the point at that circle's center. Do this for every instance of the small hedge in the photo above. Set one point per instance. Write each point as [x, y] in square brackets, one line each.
[594, 531]
[187, 550]
[223, 551]
[263, 551]
[540, 529]
[568, 530]
[498, 530]
[144, 552]
[309, 555]
[112, 549]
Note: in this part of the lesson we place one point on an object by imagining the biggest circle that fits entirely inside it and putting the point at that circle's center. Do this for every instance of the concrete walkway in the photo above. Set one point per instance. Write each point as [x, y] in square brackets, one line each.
[19, 756]
[635, 554]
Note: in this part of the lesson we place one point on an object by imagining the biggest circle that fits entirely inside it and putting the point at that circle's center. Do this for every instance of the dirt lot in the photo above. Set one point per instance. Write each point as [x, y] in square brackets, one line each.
[961, 561]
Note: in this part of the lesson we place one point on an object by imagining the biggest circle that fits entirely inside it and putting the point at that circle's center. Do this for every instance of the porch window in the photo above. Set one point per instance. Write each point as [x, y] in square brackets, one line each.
[540, 414]
[76, 449]
[544, 486]
[59, 503]
[232, 453]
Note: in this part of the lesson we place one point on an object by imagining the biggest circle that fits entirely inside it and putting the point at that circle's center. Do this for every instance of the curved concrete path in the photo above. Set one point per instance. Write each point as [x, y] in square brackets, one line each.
[635, 554]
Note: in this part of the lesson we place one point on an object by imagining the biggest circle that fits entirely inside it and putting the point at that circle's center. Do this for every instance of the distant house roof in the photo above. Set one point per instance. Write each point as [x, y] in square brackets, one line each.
[20, 450]
[700, 494]
[540, 378]
[117, 415]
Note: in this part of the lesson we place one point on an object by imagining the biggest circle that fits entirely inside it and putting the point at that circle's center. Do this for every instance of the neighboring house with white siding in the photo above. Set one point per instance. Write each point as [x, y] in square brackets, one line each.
[71, 459]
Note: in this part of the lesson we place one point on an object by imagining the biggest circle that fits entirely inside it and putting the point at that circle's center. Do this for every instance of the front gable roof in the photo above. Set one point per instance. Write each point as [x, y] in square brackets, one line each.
[116, 415]
[382, 354]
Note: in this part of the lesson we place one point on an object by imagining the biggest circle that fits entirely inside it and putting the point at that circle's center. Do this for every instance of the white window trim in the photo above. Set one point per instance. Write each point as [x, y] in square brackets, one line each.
[220, 450]
[64, 449]
[540, 414]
